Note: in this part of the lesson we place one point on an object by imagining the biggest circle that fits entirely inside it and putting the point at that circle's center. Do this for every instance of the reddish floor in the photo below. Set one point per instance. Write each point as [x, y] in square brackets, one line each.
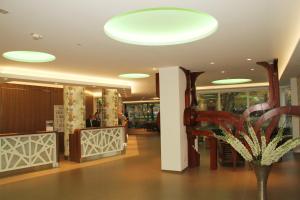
[139, 177]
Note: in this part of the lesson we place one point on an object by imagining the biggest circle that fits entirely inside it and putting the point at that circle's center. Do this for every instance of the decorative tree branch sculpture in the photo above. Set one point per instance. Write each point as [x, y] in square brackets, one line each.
[192, 116]
[254, 146]
[190, 102]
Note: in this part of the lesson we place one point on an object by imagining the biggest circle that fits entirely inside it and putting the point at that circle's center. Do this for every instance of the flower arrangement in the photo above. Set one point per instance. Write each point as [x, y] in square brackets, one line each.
[259, 152]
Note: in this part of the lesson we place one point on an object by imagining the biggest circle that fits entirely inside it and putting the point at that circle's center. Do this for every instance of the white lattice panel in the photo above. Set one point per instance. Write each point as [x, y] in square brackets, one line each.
[23, 151]
[101, 141]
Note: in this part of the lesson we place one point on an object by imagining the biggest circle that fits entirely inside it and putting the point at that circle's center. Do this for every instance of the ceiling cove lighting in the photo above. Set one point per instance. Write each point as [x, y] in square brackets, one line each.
[28, 56]
[246, 85]
[55, 85]
[160, 26]
[231, 81]
[134, 75]
[51, 76]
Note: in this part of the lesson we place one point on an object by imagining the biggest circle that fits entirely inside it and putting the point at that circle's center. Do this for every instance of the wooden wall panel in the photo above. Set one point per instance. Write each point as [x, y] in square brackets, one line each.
[89, 105]
[25, 108]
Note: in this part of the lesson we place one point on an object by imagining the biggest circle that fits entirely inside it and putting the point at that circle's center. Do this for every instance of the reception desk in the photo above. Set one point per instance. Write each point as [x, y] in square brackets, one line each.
[93, 143]
[25, 151]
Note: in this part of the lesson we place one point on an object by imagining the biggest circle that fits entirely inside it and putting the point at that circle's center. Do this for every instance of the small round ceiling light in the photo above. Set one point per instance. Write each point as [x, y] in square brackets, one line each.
[160, 26]
[231, 81]
[36, 36]
[134, 75]
[29, 56]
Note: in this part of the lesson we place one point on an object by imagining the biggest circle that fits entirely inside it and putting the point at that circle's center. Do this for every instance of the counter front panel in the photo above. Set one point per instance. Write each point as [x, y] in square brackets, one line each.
[19, 151]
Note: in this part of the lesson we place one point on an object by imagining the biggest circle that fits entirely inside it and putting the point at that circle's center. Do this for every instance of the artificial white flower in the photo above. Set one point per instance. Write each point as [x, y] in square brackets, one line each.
[263, 153]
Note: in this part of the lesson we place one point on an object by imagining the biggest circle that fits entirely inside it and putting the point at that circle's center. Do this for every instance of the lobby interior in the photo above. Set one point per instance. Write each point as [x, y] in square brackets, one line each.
[124, 99]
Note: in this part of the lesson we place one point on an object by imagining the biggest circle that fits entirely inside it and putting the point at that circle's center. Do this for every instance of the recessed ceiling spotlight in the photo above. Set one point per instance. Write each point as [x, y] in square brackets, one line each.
[36, 36]
[29, 56]
[160, 26]
[134, 75]
[231, 81]
[223, 72]
[212, 63]
[249, 59]
[252, 69]
[2, 11]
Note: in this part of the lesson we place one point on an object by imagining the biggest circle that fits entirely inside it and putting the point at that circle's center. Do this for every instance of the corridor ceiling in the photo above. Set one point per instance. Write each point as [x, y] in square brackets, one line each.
[72, 30]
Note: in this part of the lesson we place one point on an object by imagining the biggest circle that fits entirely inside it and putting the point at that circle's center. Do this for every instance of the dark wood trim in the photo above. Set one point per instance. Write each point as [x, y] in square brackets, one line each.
[25, 133]
[25, 170]
[213, 152]
[91, 128]
[75, 146]
[157, 84]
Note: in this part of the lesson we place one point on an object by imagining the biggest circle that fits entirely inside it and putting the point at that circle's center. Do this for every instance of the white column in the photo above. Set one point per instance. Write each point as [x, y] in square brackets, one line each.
[174, 155]
[295, 102]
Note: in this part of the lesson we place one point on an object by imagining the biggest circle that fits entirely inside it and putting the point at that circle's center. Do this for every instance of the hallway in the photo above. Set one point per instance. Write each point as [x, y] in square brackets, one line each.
[139, 177]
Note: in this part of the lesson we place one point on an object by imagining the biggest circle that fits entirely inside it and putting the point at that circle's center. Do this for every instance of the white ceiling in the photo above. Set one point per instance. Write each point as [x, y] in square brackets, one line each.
[261, 30]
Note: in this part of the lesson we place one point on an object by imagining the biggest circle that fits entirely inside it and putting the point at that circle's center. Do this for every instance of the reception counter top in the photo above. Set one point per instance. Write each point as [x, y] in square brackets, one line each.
[92, 143]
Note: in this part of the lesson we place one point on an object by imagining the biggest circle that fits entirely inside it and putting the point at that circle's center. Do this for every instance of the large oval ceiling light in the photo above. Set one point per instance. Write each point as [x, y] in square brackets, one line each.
[231, 81]
[134, 75]
[160, 26]
[28, 56]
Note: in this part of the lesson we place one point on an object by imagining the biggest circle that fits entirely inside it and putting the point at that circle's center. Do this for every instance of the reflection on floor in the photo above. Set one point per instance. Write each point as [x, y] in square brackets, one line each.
[139, 177]
[131, 150]
[141, 131]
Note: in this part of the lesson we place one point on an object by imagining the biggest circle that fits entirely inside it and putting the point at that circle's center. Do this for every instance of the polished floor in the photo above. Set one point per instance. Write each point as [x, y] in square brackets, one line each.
[138, 177]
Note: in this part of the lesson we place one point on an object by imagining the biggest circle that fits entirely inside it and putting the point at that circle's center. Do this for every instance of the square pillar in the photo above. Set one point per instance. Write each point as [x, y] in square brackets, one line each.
[74, 112]
[110, 107]
[174, 155]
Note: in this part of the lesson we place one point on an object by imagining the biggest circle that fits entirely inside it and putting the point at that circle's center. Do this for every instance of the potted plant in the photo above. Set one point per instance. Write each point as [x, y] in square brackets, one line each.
[259, 154]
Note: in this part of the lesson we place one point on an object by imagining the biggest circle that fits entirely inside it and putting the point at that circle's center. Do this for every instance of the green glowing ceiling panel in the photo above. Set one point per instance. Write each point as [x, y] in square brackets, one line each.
[160, 26]
[28, 56]
[231, 81]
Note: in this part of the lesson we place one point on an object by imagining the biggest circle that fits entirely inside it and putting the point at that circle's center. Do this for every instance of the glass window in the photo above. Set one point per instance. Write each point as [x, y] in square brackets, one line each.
[257, 97]
[140, 114]
[208, 101]
[234, 102]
